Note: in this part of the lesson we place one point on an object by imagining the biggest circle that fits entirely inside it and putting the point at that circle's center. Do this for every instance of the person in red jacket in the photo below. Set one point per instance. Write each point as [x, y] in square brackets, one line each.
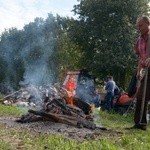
[140, 120]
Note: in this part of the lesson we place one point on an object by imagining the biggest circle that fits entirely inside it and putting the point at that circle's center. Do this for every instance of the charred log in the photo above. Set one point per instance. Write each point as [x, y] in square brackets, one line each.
[29, 118]
[71, 120]
[83, 105]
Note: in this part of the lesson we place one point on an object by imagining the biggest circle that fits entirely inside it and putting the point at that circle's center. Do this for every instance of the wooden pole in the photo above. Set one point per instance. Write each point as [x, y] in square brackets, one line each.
[144, 94]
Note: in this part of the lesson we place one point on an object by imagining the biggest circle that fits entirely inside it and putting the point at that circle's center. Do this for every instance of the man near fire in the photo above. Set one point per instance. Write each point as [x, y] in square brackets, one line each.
[140, 116]
[110, 87]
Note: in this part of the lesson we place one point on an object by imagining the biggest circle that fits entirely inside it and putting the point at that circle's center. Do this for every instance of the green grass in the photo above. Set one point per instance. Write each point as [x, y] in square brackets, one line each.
[6, 110]
[11, 138]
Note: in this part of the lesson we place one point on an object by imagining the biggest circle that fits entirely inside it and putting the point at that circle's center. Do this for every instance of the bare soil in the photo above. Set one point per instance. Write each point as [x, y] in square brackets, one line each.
[67, 131]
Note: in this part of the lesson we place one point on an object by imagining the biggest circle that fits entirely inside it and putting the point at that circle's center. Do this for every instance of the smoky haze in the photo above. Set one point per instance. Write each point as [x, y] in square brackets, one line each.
[28, 55]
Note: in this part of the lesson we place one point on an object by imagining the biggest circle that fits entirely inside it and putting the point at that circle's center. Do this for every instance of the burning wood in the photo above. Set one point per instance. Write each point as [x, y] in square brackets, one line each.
[62, 118]
[53, 106]
[58, 111]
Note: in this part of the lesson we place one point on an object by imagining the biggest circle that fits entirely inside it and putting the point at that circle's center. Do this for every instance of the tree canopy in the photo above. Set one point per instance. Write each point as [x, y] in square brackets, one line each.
[106, 31]
[101, 39]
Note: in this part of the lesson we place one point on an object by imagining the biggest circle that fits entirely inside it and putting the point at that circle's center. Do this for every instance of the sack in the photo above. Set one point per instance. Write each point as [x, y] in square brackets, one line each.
[132, 86]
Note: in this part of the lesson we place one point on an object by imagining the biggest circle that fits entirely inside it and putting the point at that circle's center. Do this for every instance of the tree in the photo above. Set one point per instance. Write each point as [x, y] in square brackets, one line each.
[29, 54]
[106, 33]
[69, 53]
[11, 64]
[39, 52]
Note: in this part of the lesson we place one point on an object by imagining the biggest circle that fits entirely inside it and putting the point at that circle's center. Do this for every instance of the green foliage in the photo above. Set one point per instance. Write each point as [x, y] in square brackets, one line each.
[69, 54]
[101, 39]
[29, 54]
[106, 31]
[11, 63]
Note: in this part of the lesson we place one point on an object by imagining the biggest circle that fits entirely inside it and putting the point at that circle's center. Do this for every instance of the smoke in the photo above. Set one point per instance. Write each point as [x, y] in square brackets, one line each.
[38, 68]
[86, 89]
[28, 54]
[8, 59]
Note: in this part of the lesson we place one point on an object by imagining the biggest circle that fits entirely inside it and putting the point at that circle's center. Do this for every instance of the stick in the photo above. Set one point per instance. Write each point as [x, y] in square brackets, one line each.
[144, 95]
[11, 94]
[134, 98]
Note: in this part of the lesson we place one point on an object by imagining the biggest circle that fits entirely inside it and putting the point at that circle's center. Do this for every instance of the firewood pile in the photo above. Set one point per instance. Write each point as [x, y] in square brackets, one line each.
[58, 111]
[31, 95]
[50, 105]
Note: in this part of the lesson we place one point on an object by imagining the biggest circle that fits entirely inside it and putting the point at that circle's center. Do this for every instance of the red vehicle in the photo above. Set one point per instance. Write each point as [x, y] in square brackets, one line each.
[80, 87]
[70, 84]
[122, 102]
[125, 100]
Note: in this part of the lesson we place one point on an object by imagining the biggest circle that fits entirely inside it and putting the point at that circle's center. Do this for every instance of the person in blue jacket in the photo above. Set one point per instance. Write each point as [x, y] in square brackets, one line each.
[109, 87]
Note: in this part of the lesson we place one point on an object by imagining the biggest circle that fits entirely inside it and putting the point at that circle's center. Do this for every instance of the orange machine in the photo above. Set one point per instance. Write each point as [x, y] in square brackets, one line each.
[79, 90]
[70, 87]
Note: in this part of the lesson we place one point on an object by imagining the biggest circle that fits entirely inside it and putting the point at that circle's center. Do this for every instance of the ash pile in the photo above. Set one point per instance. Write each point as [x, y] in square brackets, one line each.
[49, 103]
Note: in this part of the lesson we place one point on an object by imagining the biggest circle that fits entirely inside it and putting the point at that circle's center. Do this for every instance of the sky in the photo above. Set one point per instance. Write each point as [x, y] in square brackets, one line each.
[17, 13]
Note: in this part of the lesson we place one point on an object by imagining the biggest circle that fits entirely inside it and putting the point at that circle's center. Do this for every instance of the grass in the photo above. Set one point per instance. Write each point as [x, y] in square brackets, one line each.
[6, 110]
[14, 139]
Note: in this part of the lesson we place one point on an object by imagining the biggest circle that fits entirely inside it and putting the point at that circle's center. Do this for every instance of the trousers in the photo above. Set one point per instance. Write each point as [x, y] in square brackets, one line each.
[109, 100]
[140, 115]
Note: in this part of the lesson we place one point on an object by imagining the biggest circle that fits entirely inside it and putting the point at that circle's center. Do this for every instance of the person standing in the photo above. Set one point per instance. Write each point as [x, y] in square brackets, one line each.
[109, 87]
[140, 120]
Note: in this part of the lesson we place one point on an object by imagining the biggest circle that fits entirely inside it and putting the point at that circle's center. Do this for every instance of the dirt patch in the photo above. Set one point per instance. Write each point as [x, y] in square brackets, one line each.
[48, 127]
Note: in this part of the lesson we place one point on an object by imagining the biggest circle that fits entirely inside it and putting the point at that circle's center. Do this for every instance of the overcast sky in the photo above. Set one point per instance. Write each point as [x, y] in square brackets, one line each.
[17, 13]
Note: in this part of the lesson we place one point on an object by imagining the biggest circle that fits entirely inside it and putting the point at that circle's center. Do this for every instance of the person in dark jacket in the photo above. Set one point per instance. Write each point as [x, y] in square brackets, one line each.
[109, 87]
